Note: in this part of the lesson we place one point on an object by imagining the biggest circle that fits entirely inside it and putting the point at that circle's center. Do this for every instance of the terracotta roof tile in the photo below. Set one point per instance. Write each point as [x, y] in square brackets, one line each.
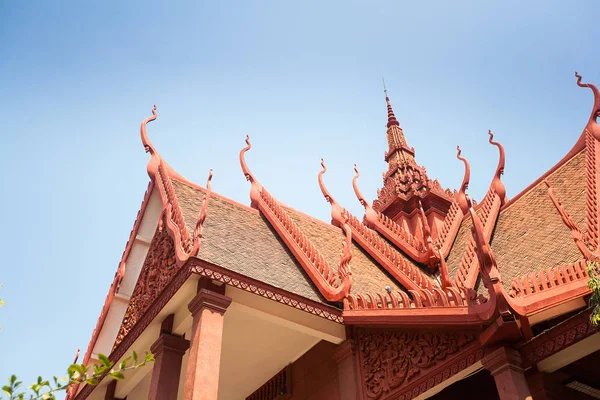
[530, 235]
[243, 241]
[367, 277]
[459, 247]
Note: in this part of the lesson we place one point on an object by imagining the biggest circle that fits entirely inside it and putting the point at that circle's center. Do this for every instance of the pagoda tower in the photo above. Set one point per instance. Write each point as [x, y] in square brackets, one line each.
[406, 186]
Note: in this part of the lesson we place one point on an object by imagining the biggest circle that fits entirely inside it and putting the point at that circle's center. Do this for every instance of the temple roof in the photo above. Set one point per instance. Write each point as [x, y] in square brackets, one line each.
[522, 256]
[530, 234]
[238, 238]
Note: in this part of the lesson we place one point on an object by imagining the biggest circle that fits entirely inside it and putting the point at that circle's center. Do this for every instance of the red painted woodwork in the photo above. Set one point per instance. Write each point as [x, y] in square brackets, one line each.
[202, 375]
[392, 360]
[111, 388]
[262, 289]
[505, 366]
[406, 182]
[558, 338]
[304, 251]
[168, 352]
[158, 270]
[418, 221]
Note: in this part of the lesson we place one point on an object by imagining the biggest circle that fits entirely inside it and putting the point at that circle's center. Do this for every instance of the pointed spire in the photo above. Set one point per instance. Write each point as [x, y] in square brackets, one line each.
[391, 117]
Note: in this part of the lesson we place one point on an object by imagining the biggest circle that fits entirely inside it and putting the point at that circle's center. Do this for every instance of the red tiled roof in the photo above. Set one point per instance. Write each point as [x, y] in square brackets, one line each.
[530, 234]
[240, 239]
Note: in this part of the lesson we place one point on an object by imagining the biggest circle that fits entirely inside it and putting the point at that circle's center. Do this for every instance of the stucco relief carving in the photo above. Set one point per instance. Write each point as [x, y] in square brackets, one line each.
[158, 270]
[390, 360]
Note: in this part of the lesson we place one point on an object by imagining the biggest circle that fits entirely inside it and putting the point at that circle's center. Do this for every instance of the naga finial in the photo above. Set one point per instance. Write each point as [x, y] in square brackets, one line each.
[255, 186]
[245, 169]
[462, 202]
[145, 141]
[497, 182]
[359, 195]
[197, 234]
[324, 190]
[595, 129]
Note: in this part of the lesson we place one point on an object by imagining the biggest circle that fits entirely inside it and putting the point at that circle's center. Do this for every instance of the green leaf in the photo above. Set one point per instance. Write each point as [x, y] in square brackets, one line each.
[149, 357]
[117, 375]
[104, 360]
[135, 357]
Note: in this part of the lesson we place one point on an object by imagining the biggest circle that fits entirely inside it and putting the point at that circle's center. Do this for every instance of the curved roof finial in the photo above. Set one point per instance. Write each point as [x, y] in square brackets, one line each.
[245, 169]
[462, 202]
[145, 141]
[592, 124]
[324, 190]
[594, 90]
[497, 183]
[391, 117]
[359, 195]
[204, 208]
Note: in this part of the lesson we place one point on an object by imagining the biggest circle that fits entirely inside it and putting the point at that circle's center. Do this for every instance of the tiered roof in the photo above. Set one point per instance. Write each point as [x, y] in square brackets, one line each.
[421, 255]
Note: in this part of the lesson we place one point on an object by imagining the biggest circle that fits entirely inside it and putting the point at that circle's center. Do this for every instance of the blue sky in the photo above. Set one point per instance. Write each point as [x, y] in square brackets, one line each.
[302, 78]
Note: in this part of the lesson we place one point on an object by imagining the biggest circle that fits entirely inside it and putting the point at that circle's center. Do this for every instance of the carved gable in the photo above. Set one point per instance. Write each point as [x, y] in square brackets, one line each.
[158, 270]
[390, 361]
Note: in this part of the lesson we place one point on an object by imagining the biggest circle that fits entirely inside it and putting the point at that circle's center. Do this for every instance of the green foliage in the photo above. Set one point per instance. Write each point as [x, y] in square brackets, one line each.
[77, 373]
[594, 285]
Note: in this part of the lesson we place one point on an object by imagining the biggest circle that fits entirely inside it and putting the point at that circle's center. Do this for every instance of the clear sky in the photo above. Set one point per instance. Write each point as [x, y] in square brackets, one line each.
[302, 78]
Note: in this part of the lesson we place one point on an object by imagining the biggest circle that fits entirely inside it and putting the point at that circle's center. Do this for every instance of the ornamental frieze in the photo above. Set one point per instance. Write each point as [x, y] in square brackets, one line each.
[159, 268]
[390, 360]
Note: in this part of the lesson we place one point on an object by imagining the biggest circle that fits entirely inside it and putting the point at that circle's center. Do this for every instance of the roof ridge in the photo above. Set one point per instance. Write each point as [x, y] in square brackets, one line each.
[467, 273]
[394, 232]
[297, 242]
[388, 257]
[576, 233]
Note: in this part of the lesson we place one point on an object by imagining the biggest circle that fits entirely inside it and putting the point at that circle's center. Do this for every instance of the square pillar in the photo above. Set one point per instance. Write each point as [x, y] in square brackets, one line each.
[344, 356]
[504, 364]
[208, 309]
[168, 352]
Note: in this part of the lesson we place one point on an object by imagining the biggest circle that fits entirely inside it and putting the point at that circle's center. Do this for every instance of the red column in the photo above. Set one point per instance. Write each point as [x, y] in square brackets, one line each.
[202, 375]
[504, 364]
[344, 355]
[168, 352]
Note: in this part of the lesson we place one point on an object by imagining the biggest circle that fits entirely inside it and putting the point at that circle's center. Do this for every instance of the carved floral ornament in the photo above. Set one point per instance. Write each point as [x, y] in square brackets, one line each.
[390, 360]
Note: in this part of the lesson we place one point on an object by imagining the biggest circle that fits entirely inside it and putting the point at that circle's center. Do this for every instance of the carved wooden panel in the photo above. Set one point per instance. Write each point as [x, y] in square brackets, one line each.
[391, 360]
[159, 268]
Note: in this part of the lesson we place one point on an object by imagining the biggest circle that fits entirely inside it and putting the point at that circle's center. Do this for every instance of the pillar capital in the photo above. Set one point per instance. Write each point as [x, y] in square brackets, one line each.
[168, 352]
[208, 299]
[170, 343]
[502, 359]
[505, 365]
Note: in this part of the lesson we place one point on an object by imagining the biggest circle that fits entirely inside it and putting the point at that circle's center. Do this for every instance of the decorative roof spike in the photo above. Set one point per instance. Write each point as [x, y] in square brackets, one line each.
[490, 275]
[154, 157]
[197, 235]
[427, 240]
[336, 210]
[145, 141]
[359, 195]
[391, 117]
[461, 199]
[592, 123]
[256, 188]
[497, 183]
